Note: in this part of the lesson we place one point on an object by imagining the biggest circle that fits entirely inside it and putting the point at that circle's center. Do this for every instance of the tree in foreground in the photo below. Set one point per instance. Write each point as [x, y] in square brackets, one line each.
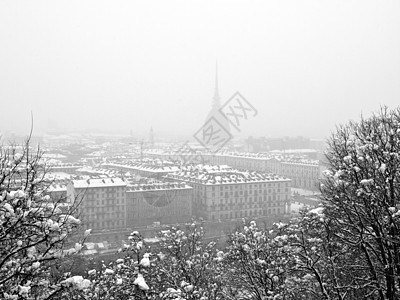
[256, 262]
[361, 194]
[33, 228]
[181, 266]
[187, 267]
[124, 278]
[319, 261]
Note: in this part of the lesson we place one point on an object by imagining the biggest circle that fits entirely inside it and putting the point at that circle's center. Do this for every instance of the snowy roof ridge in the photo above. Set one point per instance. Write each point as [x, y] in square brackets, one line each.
[158, 186]
[98, 182]
[230, 176]
[145, 167]
[289, 157]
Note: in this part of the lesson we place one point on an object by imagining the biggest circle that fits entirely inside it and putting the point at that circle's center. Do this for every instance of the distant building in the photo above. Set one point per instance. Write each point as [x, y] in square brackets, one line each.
[144, 169]
[311, 154]
[57, 191]
[163, 203]
[66, 168]
[305, 172]
[241, 160]
[257, 144]
[263, 144]
[108, 204]
[102, 202]
[221, 193]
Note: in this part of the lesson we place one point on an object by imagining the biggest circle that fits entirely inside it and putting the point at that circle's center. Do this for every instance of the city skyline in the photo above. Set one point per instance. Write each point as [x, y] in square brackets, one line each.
[306, 67]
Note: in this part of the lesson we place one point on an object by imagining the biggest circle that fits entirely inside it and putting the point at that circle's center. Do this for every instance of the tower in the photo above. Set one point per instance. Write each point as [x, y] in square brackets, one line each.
[216, 105]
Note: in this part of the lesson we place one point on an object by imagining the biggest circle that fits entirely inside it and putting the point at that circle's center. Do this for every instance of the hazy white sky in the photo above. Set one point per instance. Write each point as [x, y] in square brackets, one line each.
[122, 65]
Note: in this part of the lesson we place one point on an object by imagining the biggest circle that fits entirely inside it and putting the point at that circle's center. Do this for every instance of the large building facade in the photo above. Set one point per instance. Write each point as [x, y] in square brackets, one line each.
[221, 194]
[112, 203]
[163, 203]
[102, 202]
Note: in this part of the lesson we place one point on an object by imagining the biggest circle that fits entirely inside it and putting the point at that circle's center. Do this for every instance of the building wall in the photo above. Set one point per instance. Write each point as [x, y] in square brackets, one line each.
[239, 200]
[245, 200]
[144, 207]
[303, 175]
[101, 208]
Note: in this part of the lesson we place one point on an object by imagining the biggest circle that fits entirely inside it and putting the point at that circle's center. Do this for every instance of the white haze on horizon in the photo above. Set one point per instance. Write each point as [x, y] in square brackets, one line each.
[117, 66]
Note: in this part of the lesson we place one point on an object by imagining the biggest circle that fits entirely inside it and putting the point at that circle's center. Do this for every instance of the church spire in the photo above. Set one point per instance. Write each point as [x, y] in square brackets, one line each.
[216, 97]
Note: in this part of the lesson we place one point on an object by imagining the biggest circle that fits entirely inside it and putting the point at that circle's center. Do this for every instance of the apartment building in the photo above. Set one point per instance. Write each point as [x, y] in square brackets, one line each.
[305, 173]
[102, 202]
[165, 203]
[223, 193]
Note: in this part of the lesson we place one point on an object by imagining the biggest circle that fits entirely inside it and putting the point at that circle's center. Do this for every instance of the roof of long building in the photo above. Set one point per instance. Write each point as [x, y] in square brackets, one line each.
[145, 167]
[215, 176]
[158, 186]
[283, 157]
[99, 182]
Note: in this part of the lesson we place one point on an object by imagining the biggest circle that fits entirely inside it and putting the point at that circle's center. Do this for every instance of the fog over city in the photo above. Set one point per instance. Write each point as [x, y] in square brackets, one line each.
[192, 150]
[127, 66]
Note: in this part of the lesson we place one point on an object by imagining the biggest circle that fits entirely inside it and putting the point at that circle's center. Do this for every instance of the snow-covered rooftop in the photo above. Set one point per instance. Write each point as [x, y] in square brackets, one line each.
[96, 171]
[57, 187]
[99, 182]
[63, 165]
[156, 168]
[199, 174]
[289, 156]
[158, 186]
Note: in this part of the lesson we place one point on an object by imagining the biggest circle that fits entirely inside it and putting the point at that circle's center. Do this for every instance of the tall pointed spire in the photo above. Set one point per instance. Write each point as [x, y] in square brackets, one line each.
[216, 97]
[215, 116]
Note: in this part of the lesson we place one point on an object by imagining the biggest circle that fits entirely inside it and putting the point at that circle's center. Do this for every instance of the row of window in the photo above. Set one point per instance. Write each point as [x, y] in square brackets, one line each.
[108, 202]
[241, 206]
[97, 209]
[105, 224]
[103, 189]
[247, 186]
[249, 199]
[245, 214]
[149, 213]
[103, 195]
[251, 192]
